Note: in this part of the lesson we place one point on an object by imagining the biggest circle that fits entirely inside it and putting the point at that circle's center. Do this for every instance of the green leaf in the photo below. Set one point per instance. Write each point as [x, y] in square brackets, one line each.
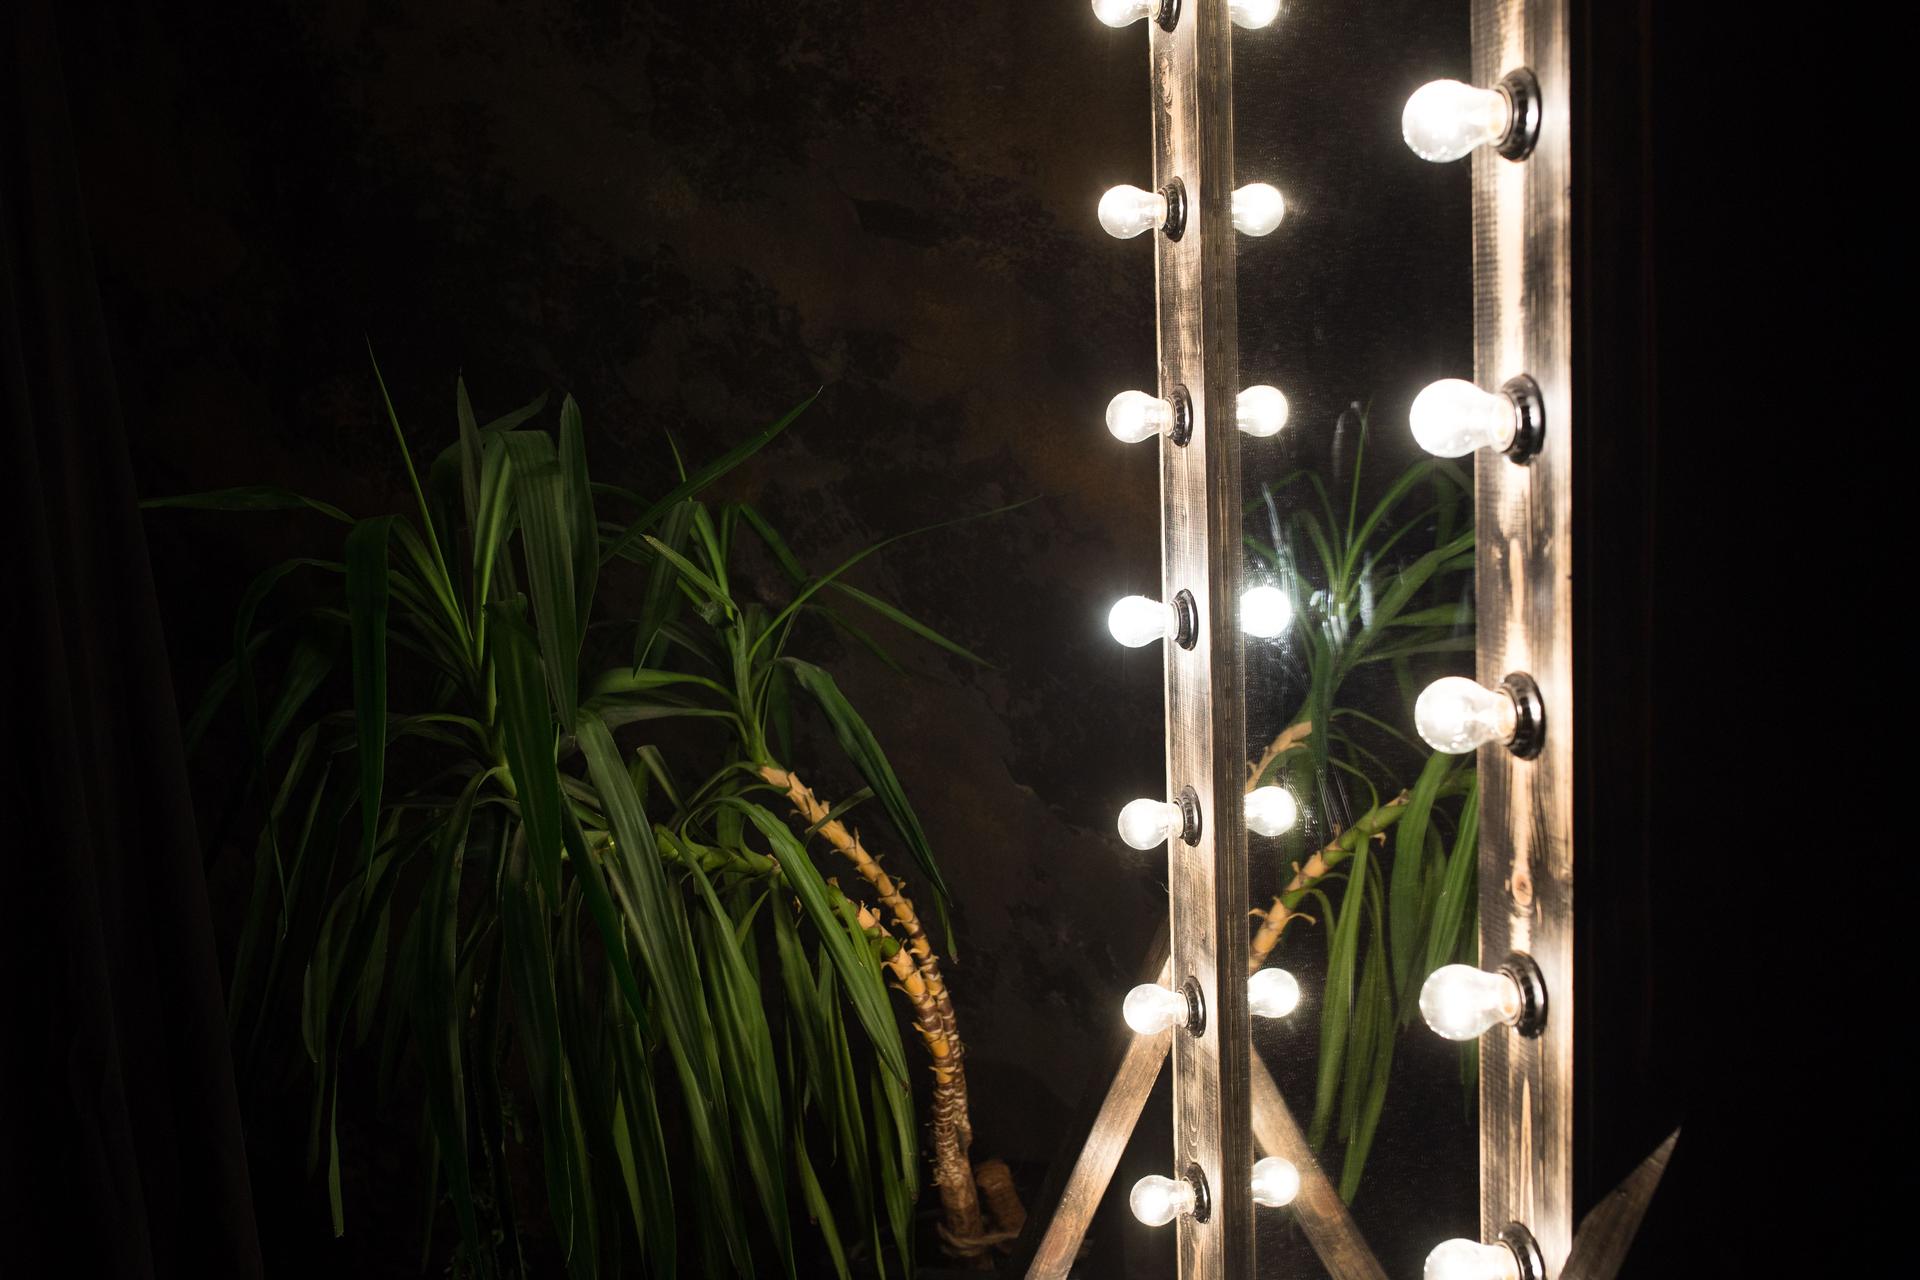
[701, 479]
[1337, 1011]
[746, 1056]
[584, 534]
[546, 532]
[367, 607]
[1409, 850]
[858, 742]
[253, 497]
[528, 731]
[858, 970]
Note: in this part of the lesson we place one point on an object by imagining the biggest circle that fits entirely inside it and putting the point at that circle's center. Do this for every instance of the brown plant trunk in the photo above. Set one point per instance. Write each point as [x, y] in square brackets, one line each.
[916, 972]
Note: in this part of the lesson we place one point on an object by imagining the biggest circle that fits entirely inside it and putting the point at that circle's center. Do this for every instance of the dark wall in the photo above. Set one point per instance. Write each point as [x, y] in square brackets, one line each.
[690, 217]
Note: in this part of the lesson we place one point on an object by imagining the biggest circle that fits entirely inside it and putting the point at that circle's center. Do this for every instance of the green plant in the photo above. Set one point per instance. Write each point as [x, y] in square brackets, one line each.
[519, 902]
[1384, 589]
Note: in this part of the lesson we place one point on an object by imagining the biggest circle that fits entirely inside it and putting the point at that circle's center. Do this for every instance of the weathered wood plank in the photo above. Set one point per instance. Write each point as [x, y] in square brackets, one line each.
[1192, 75]
[1523, 324]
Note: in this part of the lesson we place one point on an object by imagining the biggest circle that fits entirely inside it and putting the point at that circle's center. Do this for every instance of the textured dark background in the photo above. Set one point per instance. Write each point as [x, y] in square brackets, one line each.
[690, 216]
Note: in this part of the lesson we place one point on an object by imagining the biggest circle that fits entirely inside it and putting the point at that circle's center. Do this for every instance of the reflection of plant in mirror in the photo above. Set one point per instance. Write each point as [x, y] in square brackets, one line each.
[1384, 589]
[633, 935]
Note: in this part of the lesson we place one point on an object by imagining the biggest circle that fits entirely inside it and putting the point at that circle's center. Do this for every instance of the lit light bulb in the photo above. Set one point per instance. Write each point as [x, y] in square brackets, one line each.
[1146, 824]
[1121, 13]
[1140, 620]
[1257, 209]
[1125, 212]
[1133, 416]
[1261, 411]
[1452, 417]
[1156, 1201]
[1461, 1002]
[1446, 119]
[1272, 993]
[1271, 810]
[1455, 715]
[1275, 1182]
[1471, 1260]
[1265, 612]
[1151, 1009]
[1253, 14]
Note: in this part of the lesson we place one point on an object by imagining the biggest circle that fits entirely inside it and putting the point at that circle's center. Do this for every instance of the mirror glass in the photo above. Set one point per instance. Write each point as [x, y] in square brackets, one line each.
[1359, 556]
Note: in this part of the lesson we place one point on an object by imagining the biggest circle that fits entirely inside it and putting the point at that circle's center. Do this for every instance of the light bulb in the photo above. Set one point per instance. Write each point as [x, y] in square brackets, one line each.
[1151, 1009]
[1121, 13]
[1271, 810]
[1446, 119]
[1125, 212]
[1140, 620]
[1265, 612]
[1253, 14]
[1275, 1182]
[1461, 1002]
[1257, 209]
[1260, 411]
[1452, 417]
[1455, 715]
[1156, 1201]
[1146, 824]
[1272, 993]
[1134, 416]
[1471, 1260]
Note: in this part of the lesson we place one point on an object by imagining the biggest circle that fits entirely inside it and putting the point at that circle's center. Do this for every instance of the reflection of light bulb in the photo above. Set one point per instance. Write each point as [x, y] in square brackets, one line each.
[1146, 824]
[1455, 715]
[1252, 14]
[1471, 1260]
[1127, 211]
[1257, 209]
[1157, 1201]
[1151, 1009]
[1271, 810]
[1139, 620]
[1445, 120]
[1261, 410]
[1461, 1002]
[1134, 416]
[1265, 612]
[1451, 418]
[1272, 993]
[1275, 1182]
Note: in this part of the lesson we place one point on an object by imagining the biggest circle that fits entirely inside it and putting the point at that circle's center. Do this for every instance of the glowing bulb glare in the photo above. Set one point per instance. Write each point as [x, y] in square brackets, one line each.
[1261, 411]
[1151, 1008]
[1253, 14]
[1139, 620]
[1265, 612]
[1257, 209]
[1271, 810]
[1156, 1201]
[1125, 212]
[1272, 993]
[1133, 416]
[1455, 715]
[1275, 1182]
[1146, 824]
[1461, 1002]
[1471, 1260]
[1445, 120]
[1452, 417]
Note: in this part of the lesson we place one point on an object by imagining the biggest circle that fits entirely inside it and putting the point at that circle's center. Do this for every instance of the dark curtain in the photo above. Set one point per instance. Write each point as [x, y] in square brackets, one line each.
[122, 1152]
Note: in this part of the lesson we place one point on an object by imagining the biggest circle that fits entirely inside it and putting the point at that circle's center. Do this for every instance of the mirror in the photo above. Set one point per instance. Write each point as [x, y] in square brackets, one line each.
[1359, 562]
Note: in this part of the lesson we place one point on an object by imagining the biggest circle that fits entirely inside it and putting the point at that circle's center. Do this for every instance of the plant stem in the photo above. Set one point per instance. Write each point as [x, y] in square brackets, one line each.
[917, 972]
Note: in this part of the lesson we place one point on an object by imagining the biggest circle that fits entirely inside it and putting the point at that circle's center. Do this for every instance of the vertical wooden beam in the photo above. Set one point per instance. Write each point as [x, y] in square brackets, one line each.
[1523, 324]
[1192, 68]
